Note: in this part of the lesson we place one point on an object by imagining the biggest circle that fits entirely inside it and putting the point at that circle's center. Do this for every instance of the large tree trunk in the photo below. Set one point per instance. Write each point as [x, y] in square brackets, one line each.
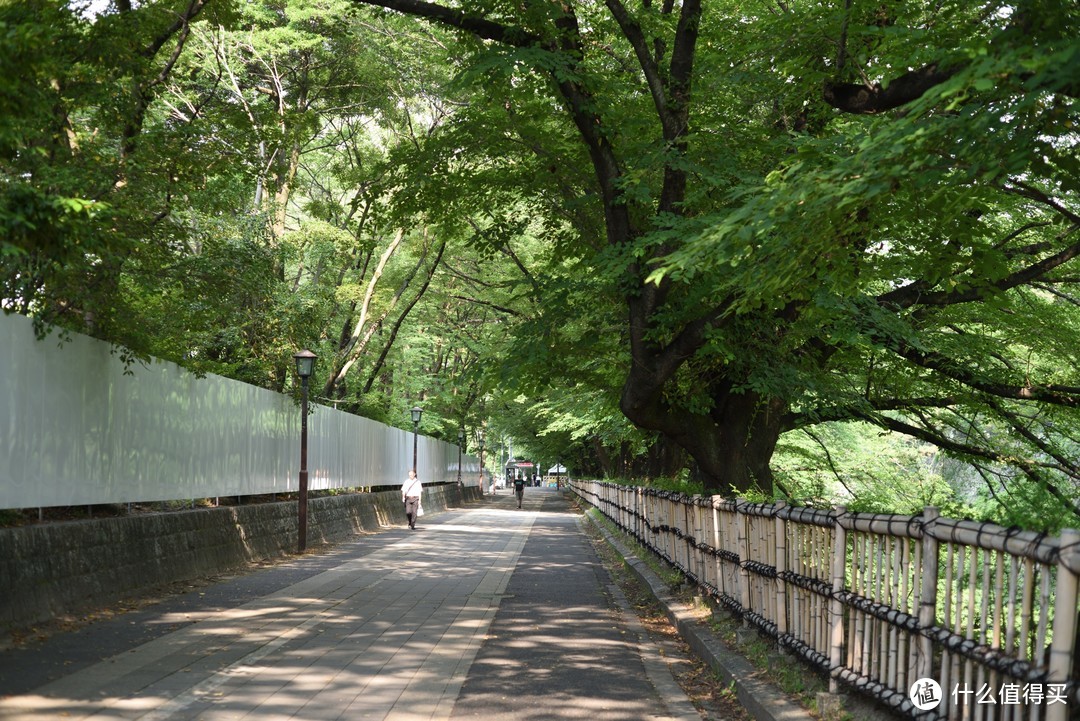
[732, 445]
[733, 453]
[663, 459]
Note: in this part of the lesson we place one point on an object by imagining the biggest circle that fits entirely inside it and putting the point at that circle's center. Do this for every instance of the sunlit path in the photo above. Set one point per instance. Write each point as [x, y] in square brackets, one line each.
[390, 634]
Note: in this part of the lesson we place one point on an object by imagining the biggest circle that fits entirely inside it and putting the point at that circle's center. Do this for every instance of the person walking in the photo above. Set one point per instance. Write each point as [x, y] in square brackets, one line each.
[411, 490]
[519, 488]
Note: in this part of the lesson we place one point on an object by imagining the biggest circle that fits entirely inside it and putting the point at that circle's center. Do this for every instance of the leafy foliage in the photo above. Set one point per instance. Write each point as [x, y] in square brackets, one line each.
[644, 241]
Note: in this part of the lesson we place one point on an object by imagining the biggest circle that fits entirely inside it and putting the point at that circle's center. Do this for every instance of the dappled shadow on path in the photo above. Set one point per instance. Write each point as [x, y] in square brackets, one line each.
[394, 633]
[557, 649]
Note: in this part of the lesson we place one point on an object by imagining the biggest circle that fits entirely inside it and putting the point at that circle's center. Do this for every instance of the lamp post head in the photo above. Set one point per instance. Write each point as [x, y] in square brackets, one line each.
[416, 411]
[305, 363]
[461, 437]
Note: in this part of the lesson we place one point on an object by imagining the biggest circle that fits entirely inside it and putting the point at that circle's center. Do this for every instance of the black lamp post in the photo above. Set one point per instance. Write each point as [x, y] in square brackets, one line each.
[481, 462]
[305, 365]
[416, 411]
[460, 443]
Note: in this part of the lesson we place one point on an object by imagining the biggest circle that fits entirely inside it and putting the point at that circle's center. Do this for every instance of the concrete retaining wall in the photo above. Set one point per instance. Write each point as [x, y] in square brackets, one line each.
[59, 568]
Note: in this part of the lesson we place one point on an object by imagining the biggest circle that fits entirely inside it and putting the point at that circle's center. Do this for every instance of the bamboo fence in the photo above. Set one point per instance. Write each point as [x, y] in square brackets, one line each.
[881, 602]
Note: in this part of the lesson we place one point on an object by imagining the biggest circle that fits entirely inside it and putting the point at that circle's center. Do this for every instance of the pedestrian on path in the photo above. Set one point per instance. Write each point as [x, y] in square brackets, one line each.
[519, 489]
[411, 490]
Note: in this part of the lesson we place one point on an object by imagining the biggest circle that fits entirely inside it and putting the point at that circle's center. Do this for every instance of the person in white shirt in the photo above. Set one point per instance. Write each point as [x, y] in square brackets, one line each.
[411, 490]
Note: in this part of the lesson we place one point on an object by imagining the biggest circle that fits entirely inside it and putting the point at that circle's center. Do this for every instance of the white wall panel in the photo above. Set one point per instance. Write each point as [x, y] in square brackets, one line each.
[77, 426]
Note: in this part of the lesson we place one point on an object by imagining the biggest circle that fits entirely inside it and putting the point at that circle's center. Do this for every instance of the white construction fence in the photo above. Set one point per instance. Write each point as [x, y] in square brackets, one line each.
[79, 425]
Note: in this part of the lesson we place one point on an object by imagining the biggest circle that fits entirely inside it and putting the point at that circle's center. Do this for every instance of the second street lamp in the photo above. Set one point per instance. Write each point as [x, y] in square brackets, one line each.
[481, 462]
[416, 411]
[460, 443]
[305, 366]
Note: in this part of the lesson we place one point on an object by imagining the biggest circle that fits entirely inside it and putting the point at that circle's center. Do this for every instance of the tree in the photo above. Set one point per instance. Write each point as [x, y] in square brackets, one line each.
[729, 223]
[802, 233]
[77, 95]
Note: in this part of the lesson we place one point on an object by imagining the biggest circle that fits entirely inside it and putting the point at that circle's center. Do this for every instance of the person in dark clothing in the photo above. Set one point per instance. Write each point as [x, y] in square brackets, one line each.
[519, 488]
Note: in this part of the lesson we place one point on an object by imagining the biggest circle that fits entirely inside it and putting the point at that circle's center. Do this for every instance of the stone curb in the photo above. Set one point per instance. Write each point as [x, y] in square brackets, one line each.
[761, 698]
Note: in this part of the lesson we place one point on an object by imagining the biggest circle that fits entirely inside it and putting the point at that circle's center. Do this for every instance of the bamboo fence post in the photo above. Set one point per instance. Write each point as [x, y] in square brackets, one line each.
[1027, 601]
[730, 535]
[903, 642]
[699, 553]
[881, 585]
[854, 614]
[1064, 638]
[924, 663]
[864, 543]
[717, 543]
[781, 567]
[692, 536]
[895, 600]
[636, 510]
[969, 614]
[616, 501]
[671, 515]
[643, 516]
[648, 506]
[947, 663]
[837, 575]
[686, 526]
[798, 546]
[664, 513]
[688, 533]
[822, 550]
[744, 554]
[983, 633]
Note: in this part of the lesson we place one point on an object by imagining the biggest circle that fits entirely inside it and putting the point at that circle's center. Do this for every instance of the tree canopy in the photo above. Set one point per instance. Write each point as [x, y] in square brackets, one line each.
[743, 238]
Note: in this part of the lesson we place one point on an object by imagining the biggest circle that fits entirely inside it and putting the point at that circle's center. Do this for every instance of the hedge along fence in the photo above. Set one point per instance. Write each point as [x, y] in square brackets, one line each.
[882, 601]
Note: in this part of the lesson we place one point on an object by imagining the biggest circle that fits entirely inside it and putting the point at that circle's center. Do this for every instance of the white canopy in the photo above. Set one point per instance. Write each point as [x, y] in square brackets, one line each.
[557, 468]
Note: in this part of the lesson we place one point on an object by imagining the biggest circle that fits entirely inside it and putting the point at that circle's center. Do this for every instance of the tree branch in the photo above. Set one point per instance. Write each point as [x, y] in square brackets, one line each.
[401, 319]
[870, 99]
[649, 67]
[829, 460]
[1053, 394]
[918, 293]
[1066, 466]
[799, 421]
[488, 304]
[1029, 468]
[481, 27]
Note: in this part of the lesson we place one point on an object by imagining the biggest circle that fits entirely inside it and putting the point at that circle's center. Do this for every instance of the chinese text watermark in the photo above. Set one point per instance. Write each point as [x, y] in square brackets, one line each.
[926, 694]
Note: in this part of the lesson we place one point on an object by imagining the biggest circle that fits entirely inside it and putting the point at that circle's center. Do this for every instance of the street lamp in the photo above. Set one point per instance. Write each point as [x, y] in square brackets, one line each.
[460, 443]
[481, 462]
[416, 411]
[305, 365]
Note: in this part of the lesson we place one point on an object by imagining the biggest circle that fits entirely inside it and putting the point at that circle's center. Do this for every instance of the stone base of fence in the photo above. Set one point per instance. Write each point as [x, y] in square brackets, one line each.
[55, 569]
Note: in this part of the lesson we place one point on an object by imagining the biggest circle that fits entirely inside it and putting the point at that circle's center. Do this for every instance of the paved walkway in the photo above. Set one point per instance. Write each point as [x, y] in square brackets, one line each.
[488, 612]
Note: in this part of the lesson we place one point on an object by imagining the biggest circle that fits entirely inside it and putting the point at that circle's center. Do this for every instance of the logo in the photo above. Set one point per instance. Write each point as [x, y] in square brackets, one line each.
[925, 693]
